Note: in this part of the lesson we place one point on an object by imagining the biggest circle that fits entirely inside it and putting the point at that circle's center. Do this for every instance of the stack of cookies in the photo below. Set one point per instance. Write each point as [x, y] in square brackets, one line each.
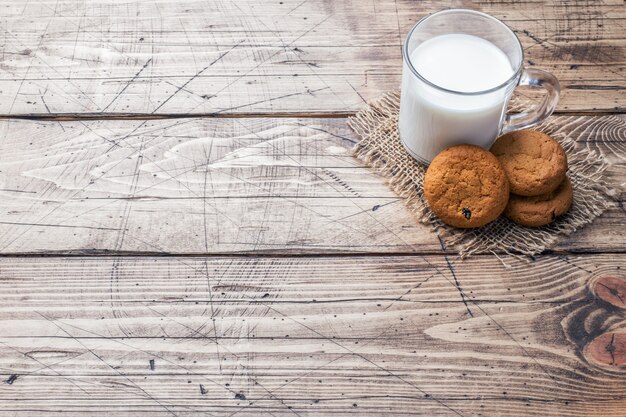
[524, 177]
[535, 165]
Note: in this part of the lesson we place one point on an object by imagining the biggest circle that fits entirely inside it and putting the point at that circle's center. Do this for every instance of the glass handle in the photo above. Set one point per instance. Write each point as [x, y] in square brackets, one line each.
[535, 78]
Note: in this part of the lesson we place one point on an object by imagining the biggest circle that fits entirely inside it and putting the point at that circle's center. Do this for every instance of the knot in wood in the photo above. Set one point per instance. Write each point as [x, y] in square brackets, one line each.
[608, 349]
[611, 290]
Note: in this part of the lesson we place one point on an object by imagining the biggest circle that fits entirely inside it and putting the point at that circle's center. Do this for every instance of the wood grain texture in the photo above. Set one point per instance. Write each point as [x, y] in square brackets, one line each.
[195, 186]
[326, 336]
[281, 331]
[292, 56]
[228, 186]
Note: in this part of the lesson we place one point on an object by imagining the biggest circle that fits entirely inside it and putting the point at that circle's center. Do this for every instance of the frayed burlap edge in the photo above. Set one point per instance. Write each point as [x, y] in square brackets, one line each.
[381, 149]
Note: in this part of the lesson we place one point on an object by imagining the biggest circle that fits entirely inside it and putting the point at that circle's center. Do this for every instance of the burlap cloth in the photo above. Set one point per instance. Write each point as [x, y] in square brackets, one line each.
[381, 149]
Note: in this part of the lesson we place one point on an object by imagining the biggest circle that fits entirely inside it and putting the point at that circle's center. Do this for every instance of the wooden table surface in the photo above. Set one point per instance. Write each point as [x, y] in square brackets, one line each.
[183, 230]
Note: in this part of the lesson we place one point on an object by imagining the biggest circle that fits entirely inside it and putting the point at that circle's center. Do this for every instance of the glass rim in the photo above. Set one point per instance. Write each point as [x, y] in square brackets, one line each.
[407, 59]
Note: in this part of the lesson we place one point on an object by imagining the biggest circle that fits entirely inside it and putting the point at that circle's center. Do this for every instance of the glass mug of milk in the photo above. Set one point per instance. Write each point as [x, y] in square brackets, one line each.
[460, 69]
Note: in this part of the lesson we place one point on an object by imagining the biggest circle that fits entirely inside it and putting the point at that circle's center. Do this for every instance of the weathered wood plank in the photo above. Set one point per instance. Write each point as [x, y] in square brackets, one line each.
[331, 336]
[227, 186]
[163, 57]
[194, 185]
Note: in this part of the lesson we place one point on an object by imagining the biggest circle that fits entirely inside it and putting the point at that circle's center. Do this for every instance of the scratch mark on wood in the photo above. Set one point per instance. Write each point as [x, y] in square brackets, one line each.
[270, 393]
[533, 37]
[456, 281]
[295, 8]
[399, 299]
[45, 366]
[299, 93]
[163, 358]
[59, 225]
[194, 77]
[357, 92]
[271, 56]
[367, 359]
[101, 359]
[17, 191]
[127, 85]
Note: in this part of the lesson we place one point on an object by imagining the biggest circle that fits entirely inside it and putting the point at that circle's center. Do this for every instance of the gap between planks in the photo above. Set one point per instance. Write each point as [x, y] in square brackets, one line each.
[66, 117]
[286, 255]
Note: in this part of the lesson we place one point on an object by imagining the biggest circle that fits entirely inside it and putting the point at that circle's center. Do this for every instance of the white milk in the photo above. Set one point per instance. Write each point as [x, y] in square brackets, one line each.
[431, 119]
